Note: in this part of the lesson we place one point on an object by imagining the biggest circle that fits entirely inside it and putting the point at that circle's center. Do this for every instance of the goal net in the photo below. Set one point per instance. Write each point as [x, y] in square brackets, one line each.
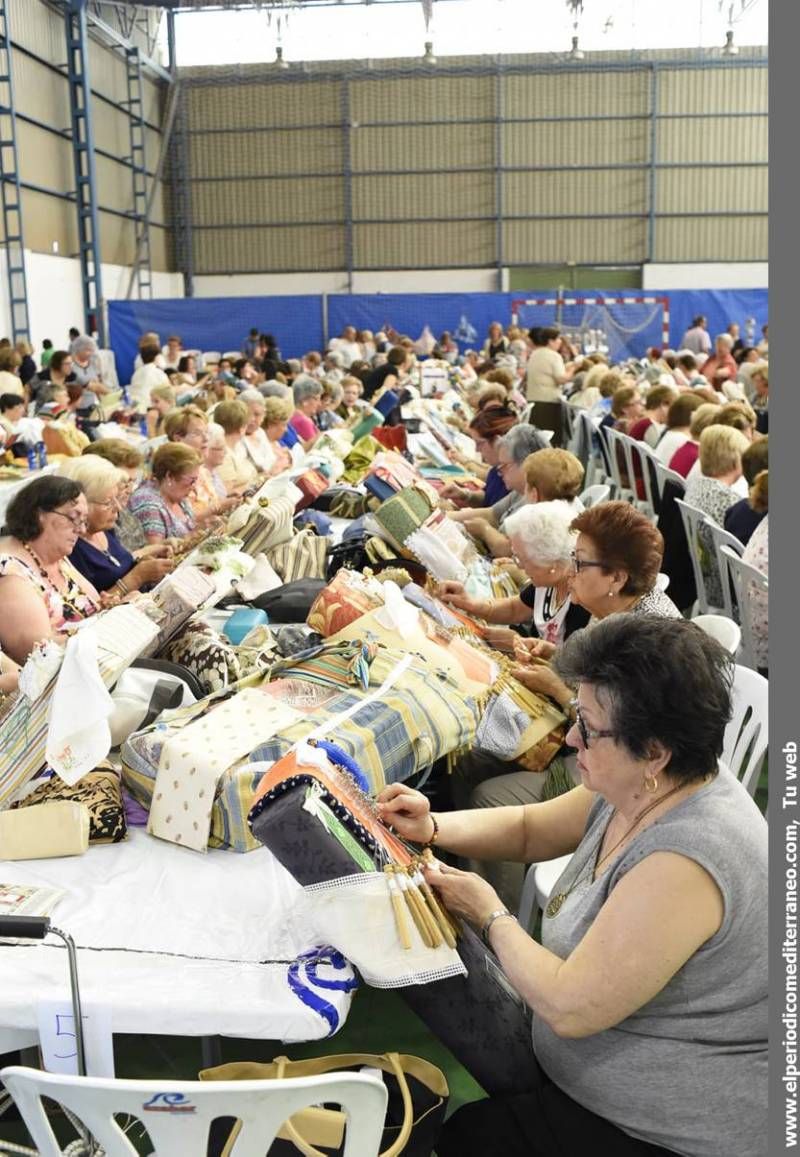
[620, 327]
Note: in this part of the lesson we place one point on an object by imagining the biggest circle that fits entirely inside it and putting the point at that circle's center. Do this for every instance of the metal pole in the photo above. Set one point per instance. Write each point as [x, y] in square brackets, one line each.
[499, 104]
[85, 173]
[11, 190]
[651, 219]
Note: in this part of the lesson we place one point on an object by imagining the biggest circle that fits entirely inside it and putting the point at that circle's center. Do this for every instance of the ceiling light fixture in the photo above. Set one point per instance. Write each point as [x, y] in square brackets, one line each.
[575, 53]
[729, 48]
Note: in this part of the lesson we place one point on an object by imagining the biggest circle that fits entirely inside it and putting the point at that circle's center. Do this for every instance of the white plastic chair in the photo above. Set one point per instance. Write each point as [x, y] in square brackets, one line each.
[638, 455]
[594, 495]
[597, 465]
[616, 445]
[178, 1114]
[664, 475]
[744, 746]
[693, 520]
[724, 630]
[722, 537]
[210, 358]
[747, 734]
[662, 581]
[744, 580]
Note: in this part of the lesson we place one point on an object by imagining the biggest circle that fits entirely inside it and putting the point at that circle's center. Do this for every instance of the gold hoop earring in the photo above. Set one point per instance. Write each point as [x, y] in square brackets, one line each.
[651, 784]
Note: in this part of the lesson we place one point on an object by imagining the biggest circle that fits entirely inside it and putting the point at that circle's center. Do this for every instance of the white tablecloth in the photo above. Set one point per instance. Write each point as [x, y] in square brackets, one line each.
[174, 941]
[9, 489]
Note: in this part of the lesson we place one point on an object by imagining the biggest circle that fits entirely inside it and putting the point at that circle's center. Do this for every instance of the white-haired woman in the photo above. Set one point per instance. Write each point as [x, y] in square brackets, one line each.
[98, 554]
[255, 446]
[542, 543]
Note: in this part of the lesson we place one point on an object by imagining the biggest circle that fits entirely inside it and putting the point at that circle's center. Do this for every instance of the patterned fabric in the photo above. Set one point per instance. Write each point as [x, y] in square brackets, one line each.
[148, 505]
[210, 657]
[101, 794]
[358, 461]
[129, 531]
[67, 606]
[342, 601]
[714, 498]
[304, 556]
[338, 665]
[269, 524]
[311, 484]
[420, 719]
[403, 514]
[193, 761]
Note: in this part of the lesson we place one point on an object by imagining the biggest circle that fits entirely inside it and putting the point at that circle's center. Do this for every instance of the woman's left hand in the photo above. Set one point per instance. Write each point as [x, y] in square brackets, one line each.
[464, 893]
[543, 679]
[157, 550]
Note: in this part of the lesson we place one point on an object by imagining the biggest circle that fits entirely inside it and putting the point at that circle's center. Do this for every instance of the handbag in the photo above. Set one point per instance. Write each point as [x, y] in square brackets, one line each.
[340, 603]
[311, 484]
[418, 1096]
[304, 556]
[391, 437]
[100, 792]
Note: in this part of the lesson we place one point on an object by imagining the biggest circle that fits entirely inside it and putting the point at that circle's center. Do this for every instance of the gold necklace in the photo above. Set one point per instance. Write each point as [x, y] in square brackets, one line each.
[556, 902]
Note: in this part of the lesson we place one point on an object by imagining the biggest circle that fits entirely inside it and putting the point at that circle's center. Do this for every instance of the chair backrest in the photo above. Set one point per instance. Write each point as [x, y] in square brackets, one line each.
[745, 580]
[594, 495]
[722, 537]
[178, 1114]
[211, 358]
[662, 581]
[616, 448]
[693, 519]
[664, 474]
[747, 733]
[724, 630]
[640, 456]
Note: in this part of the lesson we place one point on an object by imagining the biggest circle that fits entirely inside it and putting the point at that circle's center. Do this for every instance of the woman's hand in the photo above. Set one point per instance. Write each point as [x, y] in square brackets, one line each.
[464, 893]
[527, 649]
[544, 680]
[157, 550]
[149, 570]
[477, 527]
[453, 593]
[407, 811]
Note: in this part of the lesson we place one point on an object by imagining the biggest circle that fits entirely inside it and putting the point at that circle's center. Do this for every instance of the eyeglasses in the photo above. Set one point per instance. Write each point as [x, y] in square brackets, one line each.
[77, 520]
[107, 503]
[579, 564]
[588, 733]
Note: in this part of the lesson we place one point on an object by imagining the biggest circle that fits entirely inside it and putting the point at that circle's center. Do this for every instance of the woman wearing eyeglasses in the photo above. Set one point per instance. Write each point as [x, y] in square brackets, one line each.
[40, 589]
[648, 990]
[98, 554]
[615, 567]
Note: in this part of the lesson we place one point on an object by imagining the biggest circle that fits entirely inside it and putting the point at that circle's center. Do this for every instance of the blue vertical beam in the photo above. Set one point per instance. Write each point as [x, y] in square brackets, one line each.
[11, 195]
[80, 100]
[347, 174]
[179, 170]
[142, 263]
[653, 165]
[499, 106]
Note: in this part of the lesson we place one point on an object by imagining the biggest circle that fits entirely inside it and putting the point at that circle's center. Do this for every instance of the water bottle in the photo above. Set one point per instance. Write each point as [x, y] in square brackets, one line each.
[41, 451]
[126, 396]
[143, 425]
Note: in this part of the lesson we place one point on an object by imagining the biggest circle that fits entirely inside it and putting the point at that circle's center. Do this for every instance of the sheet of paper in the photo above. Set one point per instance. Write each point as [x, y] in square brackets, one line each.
[58, 1041]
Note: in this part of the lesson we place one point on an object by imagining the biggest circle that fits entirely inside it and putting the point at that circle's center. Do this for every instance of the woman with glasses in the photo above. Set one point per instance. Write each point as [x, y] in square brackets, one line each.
[129, 460]
[40, 589]
[648, 991]
[98, 554]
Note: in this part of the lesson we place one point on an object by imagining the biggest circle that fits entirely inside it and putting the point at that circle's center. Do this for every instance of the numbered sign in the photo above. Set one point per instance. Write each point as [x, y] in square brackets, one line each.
[58, 1043]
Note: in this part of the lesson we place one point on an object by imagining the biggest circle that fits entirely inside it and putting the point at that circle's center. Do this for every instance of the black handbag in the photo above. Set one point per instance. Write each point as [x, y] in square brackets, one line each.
[291, 602]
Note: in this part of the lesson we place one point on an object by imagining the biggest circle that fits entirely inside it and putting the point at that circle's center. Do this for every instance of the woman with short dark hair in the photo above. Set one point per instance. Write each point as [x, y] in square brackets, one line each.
[40, 589]
[649, 988]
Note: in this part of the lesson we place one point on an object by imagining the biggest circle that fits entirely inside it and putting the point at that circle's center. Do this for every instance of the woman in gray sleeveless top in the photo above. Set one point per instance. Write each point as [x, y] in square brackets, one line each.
[649, 989]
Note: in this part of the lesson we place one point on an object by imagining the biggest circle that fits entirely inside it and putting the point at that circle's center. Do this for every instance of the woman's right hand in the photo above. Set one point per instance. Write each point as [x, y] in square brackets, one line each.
[407, 811]
[151, 570]
[527, 649]
[453, 593]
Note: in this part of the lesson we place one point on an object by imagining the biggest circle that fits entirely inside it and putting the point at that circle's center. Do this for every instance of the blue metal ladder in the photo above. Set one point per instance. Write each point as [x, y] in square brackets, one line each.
[10, 184]
[142, 259]
[85, 176]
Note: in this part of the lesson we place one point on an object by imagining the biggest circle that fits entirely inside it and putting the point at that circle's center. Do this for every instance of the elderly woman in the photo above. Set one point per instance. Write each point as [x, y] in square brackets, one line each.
[759, 381]
[162, 401]
[86, 367]
[162, 504]
[98, 554]
[542, 541]
[40, 589]
[679, 419]
[277, 412]
[554, 476]
[236, 470]
[741, 416]
[487, 428]
[686, 455]
[756, 553]
[712, 491]
[649, 988]
[743, 517]
[129, 460]
[487, 523]
[255, 445]
[307, 394]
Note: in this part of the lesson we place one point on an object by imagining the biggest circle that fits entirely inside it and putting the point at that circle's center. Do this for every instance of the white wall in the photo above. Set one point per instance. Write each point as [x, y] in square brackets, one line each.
[398, 281]
[714, 275]
[55, 295]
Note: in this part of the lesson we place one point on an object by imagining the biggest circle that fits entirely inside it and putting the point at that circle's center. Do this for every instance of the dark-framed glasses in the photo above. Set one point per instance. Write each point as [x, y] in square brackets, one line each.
[579, 564]
[77, 520]
[588, 733]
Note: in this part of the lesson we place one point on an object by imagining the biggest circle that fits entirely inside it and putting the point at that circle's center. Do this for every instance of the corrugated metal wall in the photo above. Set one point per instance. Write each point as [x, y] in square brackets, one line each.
[521, 162]
[44, 149]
